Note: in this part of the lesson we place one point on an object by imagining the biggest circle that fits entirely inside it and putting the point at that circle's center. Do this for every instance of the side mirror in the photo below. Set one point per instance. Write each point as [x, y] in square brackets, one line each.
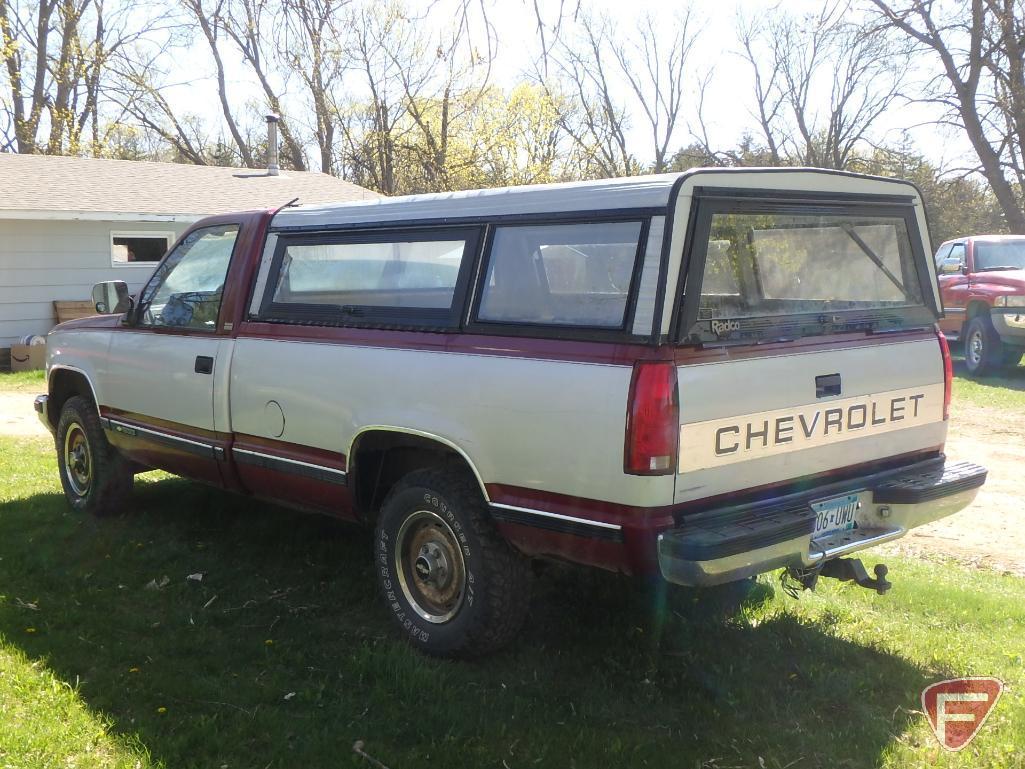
[111, 297]
[950, 266]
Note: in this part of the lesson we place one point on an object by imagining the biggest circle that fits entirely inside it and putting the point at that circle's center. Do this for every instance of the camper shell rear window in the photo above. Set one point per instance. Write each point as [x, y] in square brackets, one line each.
[773, 269]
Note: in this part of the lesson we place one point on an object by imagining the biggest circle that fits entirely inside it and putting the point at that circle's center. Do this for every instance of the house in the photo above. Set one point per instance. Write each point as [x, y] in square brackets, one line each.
[67, 223]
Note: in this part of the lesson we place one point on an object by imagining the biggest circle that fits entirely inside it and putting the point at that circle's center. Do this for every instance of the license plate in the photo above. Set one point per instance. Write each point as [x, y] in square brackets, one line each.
[835, 514]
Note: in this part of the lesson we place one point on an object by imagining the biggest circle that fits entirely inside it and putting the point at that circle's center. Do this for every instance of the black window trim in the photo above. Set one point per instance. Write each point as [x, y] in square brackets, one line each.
[709, 201]
[373, 316]
[563, 330]
[135, 318]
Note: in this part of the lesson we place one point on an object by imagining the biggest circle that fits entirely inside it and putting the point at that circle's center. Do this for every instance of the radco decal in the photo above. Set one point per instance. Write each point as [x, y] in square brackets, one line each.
[736, 439]
[724, 327]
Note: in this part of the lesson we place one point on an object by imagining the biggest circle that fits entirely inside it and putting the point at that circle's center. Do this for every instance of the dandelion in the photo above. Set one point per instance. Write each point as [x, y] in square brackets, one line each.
[133, 670]
[30, 630]
[269, 642]
[161, 710]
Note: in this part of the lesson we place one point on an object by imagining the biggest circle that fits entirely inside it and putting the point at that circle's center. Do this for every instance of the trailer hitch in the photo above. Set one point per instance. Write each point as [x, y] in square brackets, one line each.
[845, 570]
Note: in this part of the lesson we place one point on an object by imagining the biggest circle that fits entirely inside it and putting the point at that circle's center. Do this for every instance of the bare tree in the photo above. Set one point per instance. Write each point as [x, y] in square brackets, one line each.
[25, 39]
[370, 119]
[979, 46]
[614, 80]
[251, 25]
[583, 66]
[655, 69]
[209, 21]
[821, 82]
[411, 89]
[59, 56]
[309, 44]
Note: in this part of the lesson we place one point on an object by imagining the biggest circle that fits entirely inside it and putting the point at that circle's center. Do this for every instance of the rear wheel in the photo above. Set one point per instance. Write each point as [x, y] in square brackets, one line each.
[983, 350]
[95, 477]
[453, 585]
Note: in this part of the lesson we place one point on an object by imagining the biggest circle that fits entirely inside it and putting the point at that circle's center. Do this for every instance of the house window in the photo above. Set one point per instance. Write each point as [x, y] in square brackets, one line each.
[130, 247]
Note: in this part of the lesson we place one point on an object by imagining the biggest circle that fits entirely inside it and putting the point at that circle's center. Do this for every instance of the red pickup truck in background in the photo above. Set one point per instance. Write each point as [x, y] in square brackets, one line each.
[982, 283]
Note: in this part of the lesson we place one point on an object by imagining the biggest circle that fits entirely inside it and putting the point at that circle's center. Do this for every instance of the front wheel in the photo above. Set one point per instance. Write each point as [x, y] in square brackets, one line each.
[95, 477]
[453, 585]
[983, 350]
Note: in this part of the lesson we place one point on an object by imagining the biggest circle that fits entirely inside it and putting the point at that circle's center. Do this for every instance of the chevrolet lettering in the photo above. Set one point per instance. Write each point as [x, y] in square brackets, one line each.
[793, 430]
[696, 377]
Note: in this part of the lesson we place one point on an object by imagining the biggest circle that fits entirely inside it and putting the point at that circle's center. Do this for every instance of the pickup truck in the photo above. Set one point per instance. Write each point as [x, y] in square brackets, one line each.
[697, 377]
[982, 284]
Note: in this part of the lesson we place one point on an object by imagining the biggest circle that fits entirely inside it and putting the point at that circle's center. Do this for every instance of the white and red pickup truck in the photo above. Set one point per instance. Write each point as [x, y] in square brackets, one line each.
[702, 376]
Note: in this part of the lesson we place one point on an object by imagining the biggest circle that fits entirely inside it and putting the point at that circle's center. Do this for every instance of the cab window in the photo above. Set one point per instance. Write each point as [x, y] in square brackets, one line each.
[560, 274]
[186, 289]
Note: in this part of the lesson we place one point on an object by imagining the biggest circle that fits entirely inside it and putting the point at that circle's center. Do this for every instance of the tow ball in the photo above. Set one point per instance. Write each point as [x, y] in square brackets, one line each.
[845, 570]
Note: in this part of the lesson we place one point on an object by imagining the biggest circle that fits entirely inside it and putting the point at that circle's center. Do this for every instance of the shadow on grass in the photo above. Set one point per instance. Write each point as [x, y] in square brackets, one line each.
[1009, 377]
[281, 656]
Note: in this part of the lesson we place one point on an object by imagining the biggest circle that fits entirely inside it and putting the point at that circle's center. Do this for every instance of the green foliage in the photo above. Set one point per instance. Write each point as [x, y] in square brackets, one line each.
[1004, 391]
[955, 206]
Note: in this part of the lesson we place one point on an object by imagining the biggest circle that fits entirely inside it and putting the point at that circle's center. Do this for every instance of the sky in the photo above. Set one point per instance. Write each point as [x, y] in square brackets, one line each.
[727, 104]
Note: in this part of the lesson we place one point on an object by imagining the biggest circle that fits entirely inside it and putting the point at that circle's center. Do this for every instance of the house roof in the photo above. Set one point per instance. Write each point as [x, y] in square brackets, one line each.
[59, 187]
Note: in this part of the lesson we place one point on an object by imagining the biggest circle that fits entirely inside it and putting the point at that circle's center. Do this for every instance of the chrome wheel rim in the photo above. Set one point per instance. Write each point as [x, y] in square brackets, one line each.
[975, 348]
[77, 460]
[430, 566]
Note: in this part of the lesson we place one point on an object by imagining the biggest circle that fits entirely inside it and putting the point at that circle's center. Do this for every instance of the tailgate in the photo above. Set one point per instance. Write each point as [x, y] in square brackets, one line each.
[748, 422]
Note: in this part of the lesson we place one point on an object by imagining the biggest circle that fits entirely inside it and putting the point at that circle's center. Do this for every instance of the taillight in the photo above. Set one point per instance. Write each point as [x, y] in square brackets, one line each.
[652, 420]
[948, 372]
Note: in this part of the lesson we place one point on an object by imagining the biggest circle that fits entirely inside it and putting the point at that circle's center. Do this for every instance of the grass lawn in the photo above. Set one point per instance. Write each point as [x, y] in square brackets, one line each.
[23, 381]
[1005, 390]
[281, 656]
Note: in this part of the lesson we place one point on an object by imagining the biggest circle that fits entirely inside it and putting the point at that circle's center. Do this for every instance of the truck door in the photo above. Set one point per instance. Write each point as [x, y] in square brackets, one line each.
[162, 366]
[954, 292]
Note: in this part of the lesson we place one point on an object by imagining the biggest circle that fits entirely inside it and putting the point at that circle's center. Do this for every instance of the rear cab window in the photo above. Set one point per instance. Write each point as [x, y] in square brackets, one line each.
[771, 270]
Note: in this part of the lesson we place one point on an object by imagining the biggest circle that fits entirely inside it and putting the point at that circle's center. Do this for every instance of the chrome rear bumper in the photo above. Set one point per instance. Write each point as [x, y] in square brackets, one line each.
[718, 546]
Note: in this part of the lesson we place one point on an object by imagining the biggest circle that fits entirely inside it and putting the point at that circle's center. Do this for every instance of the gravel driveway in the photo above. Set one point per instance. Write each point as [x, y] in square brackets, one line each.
[17, 417]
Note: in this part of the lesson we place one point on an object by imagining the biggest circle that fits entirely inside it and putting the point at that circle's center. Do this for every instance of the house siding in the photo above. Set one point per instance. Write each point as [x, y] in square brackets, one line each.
[46, 261]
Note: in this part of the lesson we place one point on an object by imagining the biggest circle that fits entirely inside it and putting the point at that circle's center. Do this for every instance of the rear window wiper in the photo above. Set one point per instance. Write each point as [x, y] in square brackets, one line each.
[867, 251]
[1000, 267]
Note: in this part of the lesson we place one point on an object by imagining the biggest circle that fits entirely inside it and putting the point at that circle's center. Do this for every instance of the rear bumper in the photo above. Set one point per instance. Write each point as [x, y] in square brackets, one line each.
[727, 544]
[42, 411]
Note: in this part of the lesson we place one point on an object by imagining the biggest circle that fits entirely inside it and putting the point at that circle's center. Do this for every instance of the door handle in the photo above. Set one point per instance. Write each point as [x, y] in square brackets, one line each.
[204, 364]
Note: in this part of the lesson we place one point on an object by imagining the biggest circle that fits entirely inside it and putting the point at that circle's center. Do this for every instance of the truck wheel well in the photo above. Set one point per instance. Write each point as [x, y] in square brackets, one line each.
[64, 384]
[381, 458]
[975, 308]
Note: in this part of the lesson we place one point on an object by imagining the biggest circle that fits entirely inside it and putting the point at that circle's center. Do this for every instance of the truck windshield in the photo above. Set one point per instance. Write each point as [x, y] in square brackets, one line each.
[999, 255]
[790, 273]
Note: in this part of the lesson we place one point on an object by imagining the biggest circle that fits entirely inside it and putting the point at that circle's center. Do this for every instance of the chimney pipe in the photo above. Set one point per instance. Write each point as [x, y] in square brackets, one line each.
[272, 145]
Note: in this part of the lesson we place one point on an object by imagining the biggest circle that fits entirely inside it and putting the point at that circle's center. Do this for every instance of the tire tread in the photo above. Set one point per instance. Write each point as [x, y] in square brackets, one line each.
[507, 575]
